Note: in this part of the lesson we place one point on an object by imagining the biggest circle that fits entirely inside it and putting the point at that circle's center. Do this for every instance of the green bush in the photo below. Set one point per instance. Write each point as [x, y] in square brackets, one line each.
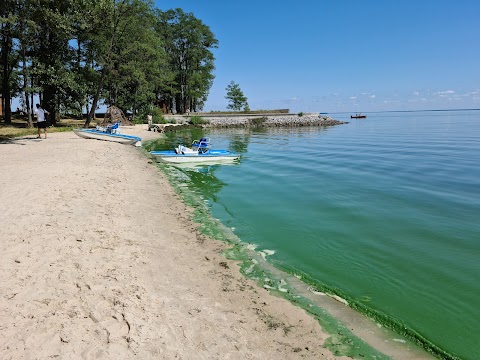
[139, 120]
[157, 116]
[257, 121]
[300, 114]
[198, 120]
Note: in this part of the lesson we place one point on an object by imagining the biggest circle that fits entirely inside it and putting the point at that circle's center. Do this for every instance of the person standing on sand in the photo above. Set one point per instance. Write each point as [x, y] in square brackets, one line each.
[149, 119]
[41, 121]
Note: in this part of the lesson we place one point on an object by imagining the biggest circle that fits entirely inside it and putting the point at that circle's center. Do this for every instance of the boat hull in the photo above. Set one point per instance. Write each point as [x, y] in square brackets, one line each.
[358, 117]
[212, 156]
[101, 135]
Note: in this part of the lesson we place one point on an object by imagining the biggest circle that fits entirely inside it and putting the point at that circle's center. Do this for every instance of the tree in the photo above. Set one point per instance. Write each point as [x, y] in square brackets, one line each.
[127, 55]
[102, 44]
[26, 39]
[9, 60]
[140, 62]
[51, 55]
[237, 100]
[188, 43]
[75, 54]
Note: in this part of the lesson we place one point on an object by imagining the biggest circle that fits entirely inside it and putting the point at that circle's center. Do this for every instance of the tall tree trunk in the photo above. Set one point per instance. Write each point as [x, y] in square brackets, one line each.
[103, 77]
[25, 86]
[31, 96]
[178, 103]
[134, 109]
[91, 114]
[186, 104]
[6, 91]
[49, 103]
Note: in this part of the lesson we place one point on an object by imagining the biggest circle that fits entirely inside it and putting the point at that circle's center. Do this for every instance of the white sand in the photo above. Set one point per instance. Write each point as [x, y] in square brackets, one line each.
[99, 260]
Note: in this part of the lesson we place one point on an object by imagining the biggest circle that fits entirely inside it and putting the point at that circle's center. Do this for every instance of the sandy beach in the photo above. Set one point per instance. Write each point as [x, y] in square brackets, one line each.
[100, 260]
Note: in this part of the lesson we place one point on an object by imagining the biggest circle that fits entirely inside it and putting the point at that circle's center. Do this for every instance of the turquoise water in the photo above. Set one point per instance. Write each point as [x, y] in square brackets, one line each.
[385, 210]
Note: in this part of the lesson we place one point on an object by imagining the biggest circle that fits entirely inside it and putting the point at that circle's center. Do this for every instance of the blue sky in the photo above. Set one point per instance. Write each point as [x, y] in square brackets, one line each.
[344, 55]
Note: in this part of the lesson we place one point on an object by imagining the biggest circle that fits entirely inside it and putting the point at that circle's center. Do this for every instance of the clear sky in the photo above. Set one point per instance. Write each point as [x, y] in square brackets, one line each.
[344, 55]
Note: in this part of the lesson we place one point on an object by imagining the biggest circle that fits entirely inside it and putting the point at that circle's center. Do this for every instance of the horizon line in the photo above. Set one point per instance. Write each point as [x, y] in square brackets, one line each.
[390, 111]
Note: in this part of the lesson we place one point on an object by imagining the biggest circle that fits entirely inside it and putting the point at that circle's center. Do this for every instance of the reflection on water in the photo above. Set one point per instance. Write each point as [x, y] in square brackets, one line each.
[203, 177]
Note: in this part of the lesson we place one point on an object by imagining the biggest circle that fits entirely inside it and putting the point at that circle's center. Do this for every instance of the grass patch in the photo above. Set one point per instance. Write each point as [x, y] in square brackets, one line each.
[19, 127]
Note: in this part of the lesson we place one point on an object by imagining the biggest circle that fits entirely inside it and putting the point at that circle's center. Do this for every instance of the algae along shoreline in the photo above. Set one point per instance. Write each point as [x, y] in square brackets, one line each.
[355, 331]
[363, 211]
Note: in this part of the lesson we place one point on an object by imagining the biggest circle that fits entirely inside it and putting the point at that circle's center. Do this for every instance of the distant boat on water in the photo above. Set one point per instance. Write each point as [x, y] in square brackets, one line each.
[358, 116]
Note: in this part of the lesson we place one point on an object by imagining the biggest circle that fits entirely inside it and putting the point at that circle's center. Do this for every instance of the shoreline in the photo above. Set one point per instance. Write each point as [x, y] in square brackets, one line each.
[348, 325]
[102, 259]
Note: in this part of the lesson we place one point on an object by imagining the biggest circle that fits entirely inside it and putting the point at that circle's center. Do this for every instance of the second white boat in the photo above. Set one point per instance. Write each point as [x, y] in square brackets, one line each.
[106, 136]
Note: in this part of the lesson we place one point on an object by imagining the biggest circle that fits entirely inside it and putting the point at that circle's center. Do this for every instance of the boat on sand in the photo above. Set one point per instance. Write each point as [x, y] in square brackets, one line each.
[110, 133]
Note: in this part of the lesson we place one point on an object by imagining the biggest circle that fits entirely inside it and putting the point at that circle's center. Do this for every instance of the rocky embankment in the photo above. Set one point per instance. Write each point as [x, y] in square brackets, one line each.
[271, 121]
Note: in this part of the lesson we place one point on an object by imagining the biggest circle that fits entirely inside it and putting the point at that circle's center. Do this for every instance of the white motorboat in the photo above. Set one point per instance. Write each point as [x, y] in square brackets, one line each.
[108, 135]
[200, 152]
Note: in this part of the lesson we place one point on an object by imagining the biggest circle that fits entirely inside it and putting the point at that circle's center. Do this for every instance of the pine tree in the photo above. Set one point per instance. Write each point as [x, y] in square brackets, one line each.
[237, 100]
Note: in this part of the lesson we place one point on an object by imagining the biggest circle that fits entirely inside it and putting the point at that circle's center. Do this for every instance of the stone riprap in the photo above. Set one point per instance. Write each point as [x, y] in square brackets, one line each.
[271, 121]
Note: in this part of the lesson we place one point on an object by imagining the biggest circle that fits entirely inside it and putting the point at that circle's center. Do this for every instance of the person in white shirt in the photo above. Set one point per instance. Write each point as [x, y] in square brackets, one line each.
[150, 120]
[41, 121]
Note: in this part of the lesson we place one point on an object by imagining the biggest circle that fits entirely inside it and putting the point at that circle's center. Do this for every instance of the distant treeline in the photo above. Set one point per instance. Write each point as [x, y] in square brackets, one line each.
[77, 54]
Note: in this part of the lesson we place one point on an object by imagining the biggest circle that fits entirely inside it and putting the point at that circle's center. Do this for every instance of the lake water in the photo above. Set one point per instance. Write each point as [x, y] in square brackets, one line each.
[385, 211]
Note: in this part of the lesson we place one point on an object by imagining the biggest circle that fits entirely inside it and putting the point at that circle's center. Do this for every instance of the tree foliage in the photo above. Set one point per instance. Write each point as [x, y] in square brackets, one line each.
[237, 100]
[190, 62]
[77, 54]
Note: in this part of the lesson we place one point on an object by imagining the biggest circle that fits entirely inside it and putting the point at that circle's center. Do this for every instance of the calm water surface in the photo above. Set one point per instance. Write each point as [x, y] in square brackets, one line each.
[384, 209]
